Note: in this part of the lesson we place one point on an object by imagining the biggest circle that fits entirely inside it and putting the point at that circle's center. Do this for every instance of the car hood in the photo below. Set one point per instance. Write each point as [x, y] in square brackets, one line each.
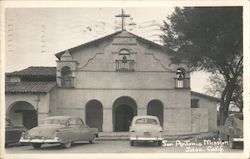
[21, 127]
[45, 130]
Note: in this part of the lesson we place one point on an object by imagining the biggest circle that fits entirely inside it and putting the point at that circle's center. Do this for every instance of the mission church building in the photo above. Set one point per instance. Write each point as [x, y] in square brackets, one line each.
[108, 81]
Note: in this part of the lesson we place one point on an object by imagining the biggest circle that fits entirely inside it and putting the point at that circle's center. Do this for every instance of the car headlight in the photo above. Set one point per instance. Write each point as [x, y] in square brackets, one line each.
[56, 138]
[56, 135]
[25, 135]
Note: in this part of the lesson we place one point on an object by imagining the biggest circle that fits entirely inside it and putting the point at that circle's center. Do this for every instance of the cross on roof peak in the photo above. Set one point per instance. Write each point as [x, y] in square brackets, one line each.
[123, 15]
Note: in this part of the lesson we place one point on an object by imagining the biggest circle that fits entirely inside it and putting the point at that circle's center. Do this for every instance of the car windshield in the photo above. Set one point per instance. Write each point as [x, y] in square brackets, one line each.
[240, 117]
[8, 122]
[146, 121]
[54, 121]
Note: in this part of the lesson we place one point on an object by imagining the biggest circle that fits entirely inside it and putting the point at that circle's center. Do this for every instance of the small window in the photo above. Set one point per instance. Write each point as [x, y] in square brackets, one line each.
[124, 52]
[8, 123]
[124, 61]
[194, 103]
[180, 76]
[72, 123]
[146, 121]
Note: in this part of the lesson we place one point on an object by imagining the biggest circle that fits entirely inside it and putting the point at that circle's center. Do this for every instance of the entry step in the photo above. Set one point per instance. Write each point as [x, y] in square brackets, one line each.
[125, 136]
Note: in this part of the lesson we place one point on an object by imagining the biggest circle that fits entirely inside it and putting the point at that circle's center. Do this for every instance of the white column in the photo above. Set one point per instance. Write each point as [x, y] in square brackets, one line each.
[83, 115]
[41, 116]
[107, 120]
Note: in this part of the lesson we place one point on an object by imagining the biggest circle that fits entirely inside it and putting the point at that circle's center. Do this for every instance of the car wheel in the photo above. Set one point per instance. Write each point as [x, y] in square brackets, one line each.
[92, 141]
[159, 143]
[24, 144]
[67, 144]
[231, 143]
[132, 143]
[36, 145]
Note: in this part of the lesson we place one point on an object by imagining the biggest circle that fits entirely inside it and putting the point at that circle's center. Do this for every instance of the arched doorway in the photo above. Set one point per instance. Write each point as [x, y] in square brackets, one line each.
[124, 109]
[23, 113]
[94, 114]
[155, 108]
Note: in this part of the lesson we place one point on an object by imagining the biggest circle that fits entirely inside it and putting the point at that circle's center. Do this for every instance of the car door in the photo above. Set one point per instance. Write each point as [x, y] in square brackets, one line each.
[12, 133]
[85, 132]
[73, 129]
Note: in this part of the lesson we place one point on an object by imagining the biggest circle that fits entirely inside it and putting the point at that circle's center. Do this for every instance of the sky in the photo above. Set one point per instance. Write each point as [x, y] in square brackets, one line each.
[34, 35]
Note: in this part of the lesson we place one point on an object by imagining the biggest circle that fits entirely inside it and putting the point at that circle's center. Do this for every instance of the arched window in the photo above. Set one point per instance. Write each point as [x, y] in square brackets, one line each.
[67, 80]
[124, 52]
[180, 76]
[124, 61]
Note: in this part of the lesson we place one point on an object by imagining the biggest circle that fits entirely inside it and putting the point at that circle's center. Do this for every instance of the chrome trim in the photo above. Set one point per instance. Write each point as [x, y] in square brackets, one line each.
[238, 139]
[22, 140]
[146, 138]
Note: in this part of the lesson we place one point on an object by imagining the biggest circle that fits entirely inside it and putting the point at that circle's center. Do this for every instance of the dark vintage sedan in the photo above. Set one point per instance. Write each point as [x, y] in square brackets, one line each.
[63, 130]
[232, 131]
[12, 132]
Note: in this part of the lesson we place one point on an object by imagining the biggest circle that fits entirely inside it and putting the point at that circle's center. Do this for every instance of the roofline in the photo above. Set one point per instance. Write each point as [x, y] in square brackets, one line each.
[152, 43]
[58, 55]
[15, 73]
[32, 92]
[206, 96]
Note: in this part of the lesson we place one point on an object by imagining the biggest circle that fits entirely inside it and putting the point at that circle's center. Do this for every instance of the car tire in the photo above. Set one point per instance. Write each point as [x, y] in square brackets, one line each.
[67, 144]
[159, 143]
[132, 143]
[92, 141]
[24, 144]
[231, 143]
[36, 145]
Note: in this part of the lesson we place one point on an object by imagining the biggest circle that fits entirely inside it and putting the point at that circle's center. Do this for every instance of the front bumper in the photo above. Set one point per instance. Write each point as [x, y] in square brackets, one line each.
[51, 141]
[146, 138]
[238, 139]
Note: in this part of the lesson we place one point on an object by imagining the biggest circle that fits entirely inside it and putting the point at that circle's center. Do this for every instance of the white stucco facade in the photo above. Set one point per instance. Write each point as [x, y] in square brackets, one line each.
[123, 74]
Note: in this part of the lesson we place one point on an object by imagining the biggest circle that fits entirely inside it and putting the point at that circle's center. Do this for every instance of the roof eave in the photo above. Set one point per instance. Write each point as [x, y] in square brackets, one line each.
[143, 40]
[59, 54]
[206, 96]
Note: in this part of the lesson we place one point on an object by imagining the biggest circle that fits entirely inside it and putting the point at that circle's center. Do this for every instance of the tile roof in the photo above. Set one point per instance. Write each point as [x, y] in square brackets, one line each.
[29, 87]
[35, 71]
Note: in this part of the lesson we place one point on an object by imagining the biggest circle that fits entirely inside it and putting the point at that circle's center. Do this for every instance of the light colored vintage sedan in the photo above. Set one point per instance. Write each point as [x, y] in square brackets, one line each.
[145, 128]
[59, 129]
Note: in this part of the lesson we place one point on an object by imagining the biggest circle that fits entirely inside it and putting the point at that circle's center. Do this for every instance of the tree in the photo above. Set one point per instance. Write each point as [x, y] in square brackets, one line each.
[216, 86]
[208, 39]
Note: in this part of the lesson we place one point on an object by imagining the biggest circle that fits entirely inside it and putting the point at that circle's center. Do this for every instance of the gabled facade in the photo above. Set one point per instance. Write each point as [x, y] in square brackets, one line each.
[109, 80]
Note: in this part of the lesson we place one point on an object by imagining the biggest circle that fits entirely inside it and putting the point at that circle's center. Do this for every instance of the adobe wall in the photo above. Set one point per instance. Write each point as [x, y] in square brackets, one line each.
[177, 114]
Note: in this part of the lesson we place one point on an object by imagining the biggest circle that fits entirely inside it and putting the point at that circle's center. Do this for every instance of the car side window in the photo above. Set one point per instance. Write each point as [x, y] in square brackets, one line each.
[72, 123]
[80, 123]
[8, 123]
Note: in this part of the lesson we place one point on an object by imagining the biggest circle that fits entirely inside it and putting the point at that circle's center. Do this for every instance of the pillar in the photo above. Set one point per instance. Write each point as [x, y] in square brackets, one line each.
[107, 120]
